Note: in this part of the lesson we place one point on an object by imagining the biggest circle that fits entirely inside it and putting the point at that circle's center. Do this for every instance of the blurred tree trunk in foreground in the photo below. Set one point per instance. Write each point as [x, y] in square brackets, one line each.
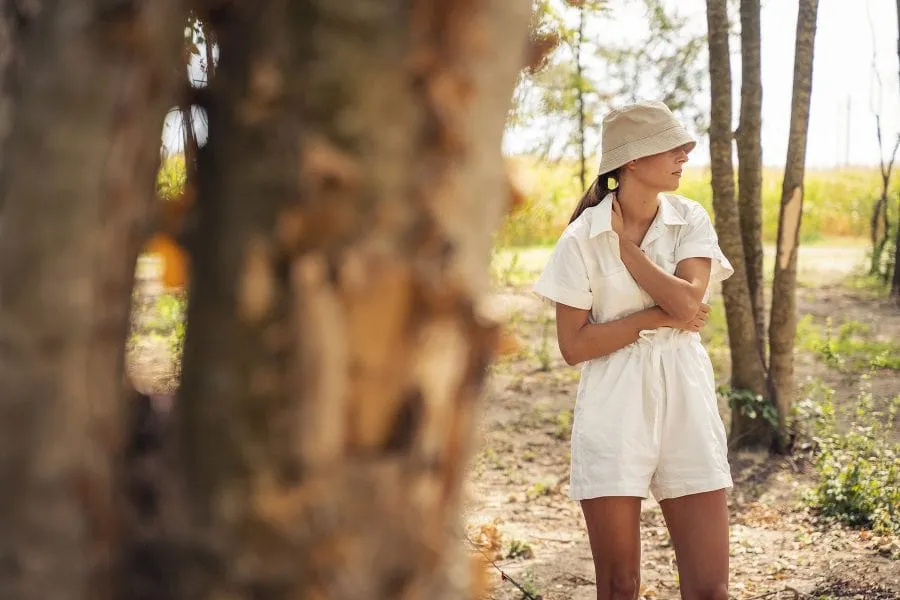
[85, 87]
[335, 349]
[336, 343]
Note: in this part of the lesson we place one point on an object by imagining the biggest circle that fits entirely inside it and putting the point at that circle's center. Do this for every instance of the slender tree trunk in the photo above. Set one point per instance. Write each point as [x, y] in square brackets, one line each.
[783, 325]
[895, 280]
[747, 371]
[579, 70]
[880, 223]
[77, 178]
[209, 39]
[749, 151]
[335, 350]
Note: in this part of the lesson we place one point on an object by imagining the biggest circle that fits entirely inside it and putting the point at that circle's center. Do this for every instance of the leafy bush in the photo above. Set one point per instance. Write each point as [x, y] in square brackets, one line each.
[858, 467]
[850, 347]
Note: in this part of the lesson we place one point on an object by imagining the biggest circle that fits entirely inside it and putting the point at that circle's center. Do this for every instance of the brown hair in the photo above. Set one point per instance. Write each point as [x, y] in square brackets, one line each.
[597, 191]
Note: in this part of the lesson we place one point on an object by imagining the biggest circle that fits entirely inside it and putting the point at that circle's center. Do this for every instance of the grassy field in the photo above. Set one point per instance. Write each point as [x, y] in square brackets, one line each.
[837, 204]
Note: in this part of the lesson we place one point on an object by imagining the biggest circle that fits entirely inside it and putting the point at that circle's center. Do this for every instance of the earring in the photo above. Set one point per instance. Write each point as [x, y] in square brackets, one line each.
[612, 183]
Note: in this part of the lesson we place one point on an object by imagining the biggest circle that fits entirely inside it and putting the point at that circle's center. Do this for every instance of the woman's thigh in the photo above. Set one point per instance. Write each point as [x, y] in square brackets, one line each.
[698, 525]
[613, 525]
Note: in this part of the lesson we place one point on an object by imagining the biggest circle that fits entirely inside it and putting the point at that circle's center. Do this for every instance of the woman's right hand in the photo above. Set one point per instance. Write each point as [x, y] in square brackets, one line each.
[695, 324]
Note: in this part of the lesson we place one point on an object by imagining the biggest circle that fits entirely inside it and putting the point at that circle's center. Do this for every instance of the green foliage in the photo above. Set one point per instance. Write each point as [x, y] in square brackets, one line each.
[562, 90]
[837, 202]
[752, 405]
[667, 63]
[171, 177]
[858, 468]
[850, 347]
[547, 338]
[539, 489]
[170, 310]
[519, 549]
[871, 285]
[164, 319]
[563, 424]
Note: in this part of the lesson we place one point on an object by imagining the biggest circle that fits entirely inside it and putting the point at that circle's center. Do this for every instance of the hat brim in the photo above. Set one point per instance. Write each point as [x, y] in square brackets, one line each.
[659, 142]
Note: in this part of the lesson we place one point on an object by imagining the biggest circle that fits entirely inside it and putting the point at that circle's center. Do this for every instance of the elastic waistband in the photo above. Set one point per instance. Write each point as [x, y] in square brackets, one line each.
[667, 336]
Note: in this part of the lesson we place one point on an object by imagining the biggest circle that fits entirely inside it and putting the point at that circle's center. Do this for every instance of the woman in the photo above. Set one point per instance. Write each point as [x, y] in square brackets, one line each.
[630, 278]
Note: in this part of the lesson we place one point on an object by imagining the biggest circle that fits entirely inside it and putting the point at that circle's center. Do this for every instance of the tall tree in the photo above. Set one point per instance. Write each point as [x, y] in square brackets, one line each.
[749, 151]
[335, 349]
[580, 93]
[879, 223]
[77, 173]
[895, 280]
[562, 90]
[665, 63]
[748, 374]
[783, 322]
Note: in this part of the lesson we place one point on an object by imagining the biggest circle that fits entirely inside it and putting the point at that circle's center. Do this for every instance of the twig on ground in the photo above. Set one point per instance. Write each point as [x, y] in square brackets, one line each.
[503, 574]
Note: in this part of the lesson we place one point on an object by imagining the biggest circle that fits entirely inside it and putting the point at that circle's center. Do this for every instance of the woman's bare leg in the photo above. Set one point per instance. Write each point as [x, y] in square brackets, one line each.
[613, 526]
[698, 525]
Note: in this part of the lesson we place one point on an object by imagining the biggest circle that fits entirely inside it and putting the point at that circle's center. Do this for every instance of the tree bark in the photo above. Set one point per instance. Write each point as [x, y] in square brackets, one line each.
[334, 350]
[747, 371]
[895, 280]
[77, 178]
[749, 151]
[783, 324]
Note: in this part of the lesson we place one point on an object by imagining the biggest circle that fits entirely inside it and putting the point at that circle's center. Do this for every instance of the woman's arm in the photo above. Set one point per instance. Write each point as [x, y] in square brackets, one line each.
[679, 295]
[580, 340]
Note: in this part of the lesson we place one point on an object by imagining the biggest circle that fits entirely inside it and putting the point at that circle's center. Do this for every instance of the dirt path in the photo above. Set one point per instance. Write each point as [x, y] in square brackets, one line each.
[518, 482]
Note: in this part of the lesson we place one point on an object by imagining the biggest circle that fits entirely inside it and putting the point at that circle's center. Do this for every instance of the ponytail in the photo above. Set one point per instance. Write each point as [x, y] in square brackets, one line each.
[597, 191]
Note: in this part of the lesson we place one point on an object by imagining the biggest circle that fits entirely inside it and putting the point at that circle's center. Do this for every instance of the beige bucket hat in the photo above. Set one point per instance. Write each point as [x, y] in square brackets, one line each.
[637, 130]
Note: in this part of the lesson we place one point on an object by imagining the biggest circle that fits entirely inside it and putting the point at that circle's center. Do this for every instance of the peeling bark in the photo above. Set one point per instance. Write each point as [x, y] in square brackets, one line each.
[783, 323]
[77, 178]
[747, 371]
[335, 350]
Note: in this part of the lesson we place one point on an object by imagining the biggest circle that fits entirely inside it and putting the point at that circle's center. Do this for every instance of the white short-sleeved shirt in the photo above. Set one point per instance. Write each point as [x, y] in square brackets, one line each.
[646, 416]
[585, 270]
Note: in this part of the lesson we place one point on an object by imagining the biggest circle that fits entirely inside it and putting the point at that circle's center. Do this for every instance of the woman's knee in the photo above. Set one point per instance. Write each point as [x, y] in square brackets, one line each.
[623, 584]
[711, 591]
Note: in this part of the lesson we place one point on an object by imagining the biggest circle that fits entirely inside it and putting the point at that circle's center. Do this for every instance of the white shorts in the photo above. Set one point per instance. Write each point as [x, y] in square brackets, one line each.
[646, 419]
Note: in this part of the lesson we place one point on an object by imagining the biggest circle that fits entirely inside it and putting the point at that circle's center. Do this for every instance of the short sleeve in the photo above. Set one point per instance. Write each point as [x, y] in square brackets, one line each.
[699, 240]
[565, 277]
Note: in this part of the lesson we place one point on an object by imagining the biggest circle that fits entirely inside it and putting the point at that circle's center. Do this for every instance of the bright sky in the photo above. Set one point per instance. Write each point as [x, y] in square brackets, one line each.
[842, 126]
[842, 78]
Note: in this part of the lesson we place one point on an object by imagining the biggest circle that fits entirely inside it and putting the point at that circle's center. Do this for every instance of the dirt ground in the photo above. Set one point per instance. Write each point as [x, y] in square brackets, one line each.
[518, 484]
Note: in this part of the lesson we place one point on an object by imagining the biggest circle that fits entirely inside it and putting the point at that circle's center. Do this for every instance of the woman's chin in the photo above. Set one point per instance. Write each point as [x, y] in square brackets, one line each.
[671, 187]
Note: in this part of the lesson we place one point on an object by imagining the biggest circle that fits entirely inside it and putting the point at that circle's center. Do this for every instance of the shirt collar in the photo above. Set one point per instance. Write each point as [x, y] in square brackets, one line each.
[601, 220]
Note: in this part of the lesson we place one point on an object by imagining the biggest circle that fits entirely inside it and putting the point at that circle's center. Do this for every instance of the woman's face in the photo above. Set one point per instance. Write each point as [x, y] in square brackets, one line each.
[661, 171]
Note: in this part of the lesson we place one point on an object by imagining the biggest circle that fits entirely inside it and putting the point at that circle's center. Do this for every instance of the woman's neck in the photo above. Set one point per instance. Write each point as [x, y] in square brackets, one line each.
[639, 203]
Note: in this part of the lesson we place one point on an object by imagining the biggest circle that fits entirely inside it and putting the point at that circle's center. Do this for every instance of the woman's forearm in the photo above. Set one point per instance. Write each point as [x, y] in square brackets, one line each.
[594, 340]
[674, 295]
